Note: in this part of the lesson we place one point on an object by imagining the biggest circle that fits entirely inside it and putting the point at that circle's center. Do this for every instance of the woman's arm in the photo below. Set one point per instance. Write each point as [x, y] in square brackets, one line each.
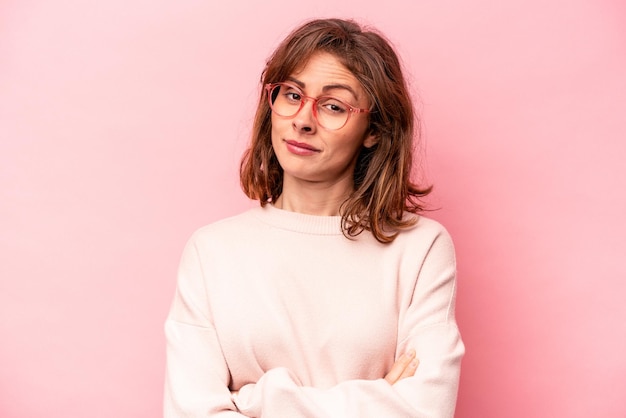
[279, 393]
[196, 380]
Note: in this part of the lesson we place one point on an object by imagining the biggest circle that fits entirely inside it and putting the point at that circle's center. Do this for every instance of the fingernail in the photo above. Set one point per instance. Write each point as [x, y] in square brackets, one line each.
[411, 353]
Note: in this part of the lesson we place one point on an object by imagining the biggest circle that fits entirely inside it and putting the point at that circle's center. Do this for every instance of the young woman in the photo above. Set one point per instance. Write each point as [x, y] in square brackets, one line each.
[320, 302]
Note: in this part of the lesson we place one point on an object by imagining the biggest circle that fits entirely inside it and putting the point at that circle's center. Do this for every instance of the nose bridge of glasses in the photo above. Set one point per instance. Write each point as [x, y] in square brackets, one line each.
[308, 99]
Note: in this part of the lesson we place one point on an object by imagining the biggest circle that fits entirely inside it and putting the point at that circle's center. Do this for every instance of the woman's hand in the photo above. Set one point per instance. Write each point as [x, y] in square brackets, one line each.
[405, 366]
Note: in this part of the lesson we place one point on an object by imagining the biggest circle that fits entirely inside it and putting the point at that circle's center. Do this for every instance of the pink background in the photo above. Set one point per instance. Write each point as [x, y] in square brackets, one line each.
[121, 126]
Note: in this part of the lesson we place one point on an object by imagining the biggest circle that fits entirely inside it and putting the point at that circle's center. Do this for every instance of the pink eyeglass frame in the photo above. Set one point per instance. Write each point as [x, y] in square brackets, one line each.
[270, 86]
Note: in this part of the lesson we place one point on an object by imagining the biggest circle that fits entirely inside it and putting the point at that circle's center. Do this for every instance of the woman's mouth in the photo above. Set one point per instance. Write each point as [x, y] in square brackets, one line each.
[300, 148]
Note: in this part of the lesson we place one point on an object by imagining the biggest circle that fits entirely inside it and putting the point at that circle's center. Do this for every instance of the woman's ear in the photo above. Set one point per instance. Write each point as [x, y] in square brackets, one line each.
[371, 139]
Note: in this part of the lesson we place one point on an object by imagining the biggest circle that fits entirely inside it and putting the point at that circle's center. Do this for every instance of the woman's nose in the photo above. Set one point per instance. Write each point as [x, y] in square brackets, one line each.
[304, 121]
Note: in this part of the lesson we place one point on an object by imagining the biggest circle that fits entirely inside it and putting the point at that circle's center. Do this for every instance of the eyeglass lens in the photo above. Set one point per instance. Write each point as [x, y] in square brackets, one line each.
[286, 101]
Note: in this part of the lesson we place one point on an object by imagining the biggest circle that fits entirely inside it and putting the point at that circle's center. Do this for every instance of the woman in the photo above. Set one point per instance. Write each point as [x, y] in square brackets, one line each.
[320, 302]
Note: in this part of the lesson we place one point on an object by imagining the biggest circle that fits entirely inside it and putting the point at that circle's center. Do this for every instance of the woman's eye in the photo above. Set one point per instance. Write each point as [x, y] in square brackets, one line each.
[295, 97]
[331, 106]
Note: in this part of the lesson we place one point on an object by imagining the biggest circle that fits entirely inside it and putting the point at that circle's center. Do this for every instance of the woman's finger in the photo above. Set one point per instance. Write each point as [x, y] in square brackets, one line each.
[404, 366]
[410, 369]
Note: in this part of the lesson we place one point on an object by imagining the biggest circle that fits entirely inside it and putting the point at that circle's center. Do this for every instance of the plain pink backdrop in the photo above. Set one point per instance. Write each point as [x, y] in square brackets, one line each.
[121, 127]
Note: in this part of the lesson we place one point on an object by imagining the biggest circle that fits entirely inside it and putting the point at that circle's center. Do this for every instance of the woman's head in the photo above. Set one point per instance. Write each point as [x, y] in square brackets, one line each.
[382, 186]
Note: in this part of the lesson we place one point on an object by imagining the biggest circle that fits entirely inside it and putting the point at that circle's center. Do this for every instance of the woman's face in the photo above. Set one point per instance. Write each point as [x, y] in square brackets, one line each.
[305, 150]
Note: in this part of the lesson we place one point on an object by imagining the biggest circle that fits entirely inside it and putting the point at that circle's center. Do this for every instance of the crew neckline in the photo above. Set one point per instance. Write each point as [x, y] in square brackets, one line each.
[298, 222]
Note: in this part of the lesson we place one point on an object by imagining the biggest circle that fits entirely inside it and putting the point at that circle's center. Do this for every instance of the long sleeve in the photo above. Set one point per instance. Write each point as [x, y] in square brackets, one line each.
[429, 326]
[196, 383]
[426, 324]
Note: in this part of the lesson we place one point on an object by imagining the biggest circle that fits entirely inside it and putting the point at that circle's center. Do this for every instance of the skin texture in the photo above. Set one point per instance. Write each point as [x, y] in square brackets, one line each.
[318, 176]
[317, 184]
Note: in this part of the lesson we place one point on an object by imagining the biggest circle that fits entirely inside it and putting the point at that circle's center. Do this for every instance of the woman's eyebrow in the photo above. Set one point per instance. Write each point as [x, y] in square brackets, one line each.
[341, 87]
[298, 82]
[325, 89]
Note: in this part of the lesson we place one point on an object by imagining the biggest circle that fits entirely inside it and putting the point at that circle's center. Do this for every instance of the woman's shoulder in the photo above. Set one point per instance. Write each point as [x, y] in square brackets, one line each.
[229, 225]
[424, 231]
[226, 236]
[424, 225]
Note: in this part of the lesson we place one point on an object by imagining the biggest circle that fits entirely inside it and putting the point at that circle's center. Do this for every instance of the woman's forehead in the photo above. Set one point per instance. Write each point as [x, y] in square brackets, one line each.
[325, 72]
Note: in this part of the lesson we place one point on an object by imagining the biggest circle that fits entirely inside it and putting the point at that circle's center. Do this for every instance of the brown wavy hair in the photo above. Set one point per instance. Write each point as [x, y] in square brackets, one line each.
[383, 190]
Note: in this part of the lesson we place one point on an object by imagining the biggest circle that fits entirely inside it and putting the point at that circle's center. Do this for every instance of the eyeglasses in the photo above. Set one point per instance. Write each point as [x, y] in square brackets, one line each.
[286, 100]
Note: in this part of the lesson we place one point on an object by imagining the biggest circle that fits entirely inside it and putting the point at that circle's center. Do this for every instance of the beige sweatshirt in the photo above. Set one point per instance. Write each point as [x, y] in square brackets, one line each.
[277, 314]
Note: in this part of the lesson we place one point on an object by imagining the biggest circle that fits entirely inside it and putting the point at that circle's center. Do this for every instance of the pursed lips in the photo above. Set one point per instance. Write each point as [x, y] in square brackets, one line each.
[302, 145]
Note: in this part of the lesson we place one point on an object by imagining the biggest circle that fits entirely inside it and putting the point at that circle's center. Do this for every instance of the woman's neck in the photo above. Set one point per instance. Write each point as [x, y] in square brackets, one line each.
[320, 199]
